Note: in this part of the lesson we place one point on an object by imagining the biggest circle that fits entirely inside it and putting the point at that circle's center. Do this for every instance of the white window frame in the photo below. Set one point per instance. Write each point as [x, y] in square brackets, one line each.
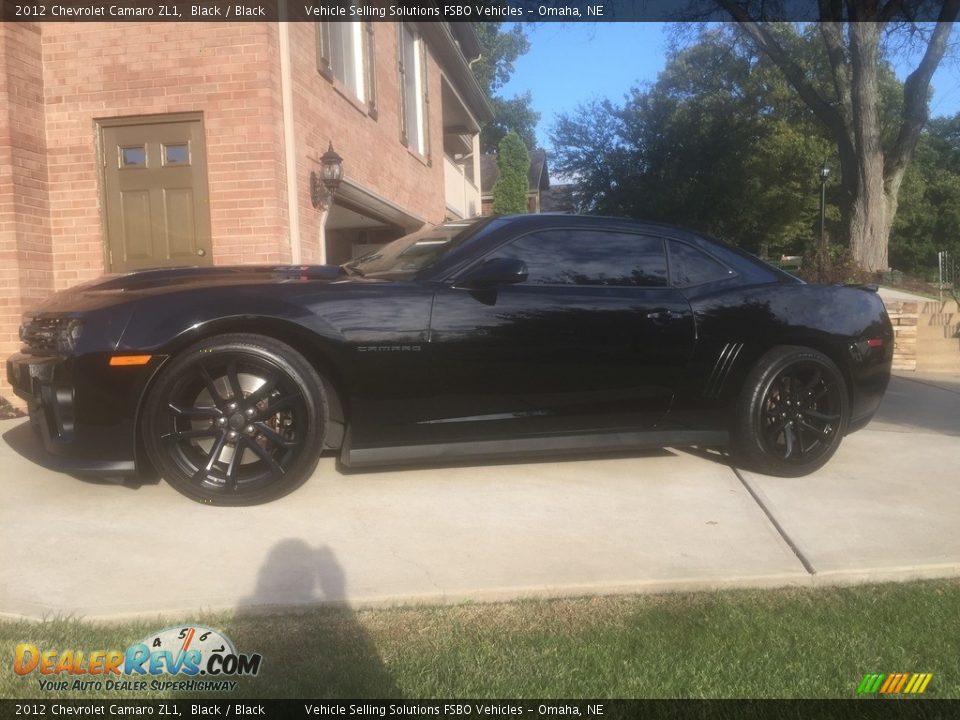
[362, 83]
[417, 139]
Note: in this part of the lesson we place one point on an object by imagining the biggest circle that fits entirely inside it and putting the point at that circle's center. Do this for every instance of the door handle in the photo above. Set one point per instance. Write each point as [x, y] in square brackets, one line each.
[664, 315]
[201, 252]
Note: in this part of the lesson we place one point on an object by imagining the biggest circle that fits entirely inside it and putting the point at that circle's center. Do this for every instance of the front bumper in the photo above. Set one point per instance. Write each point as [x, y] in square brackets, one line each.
[84, 411]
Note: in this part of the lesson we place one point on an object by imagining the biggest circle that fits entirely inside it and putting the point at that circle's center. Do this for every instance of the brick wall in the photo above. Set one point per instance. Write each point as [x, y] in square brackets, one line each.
[229, 72]
[26, 265]
[58, 79]
[904, 315]
[371, 149]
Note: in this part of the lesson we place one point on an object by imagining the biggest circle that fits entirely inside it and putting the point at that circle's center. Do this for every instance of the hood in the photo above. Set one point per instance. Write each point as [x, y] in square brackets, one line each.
[109, 289]
[229, 274]
[181, 277]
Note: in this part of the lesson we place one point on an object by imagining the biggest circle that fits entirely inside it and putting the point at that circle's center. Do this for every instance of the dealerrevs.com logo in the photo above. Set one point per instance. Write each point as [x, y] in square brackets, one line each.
[200, 658]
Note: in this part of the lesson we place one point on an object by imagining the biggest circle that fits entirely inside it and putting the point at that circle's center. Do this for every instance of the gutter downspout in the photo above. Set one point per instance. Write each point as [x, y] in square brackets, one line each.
[289, 140]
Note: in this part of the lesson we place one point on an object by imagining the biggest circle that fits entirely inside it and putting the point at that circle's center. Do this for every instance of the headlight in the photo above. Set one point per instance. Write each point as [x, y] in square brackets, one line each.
[51, 334]
[69, 331]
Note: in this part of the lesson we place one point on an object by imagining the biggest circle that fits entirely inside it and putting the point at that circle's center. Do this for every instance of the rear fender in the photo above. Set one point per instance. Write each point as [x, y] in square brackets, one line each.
[836, 320]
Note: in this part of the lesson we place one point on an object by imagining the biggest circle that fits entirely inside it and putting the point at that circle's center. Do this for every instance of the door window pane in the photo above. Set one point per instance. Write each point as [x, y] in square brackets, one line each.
[597, 258]
[133, 157]
[176, 154]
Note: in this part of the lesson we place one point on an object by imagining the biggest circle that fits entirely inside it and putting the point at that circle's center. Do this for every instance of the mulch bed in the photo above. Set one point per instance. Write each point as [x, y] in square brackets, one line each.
[8, 411]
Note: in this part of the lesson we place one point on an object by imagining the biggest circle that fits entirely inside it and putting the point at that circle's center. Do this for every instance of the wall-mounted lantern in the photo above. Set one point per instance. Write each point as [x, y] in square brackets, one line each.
[324, 186]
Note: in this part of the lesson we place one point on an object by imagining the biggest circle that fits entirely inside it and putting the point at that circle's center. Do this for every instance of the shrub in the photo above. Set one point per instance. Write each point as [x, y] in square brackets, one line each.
[510, 190]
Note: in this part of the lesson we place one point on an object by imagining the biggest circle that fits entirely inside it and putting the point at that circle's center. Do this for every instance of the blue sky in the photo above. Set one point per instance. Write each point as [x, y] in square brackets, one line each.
[571, 63]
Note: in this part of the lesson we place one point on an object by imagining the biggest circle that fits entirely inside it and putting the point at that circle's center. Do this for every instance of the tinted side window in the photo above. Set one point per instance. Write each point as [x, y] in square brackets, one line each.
[689, 266]
[576, 257]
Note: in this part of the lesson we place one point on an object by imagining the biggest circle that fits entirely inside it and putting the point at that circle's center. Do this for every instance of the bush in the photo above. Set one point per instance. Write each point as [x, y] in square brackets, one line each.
[510, 190]
[831, 264]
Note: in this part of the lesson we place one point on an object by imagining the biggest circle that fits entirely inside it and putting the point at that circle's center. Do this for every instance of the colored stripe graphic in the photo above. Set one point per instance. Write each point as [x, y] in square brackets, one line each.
[913, 683]
[889, 681]
[894, 683]
[870, 683]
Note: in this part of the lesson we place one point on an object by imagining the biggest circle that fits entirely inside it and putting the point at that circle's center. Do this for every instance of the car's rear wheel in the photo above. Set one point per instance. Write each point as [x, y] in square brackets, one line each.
[235, 420]
[792, 413]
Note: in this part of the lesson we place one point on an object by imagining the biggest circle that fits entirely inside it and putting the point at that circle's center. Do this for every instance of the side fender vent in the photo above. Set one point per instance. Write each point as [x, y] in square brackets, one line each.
[721, 369]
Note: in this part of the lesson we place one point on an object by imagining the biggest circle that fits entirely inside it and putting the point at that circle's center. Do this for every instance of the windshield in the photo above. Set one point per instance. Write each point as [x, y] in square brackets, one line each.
[413, 252]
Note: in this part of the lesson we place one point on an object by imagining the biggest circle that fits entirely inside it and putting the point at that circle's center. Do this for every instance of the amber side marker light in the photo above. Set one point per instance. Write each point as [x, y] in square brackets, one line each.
[123, 360]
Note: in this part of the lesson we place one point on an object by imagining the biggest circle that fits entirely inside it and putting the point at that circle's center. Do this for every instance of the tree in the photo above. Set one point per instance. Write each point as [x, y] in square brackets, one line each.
[872, 165]
[515, 114]
[591, 146]
[719, 143]
[928, 218]
[510, 190]
[499, 51]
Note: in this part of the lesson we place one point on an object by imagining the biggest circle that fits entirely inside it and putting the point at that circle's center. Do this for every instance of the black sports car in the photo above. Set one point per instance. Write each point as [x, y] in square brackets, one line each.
[487, 338]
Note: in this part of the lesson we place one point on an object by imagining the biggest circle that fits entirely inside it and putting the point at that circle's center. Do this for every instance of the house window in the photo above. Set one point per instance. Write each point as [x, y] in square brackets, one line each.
[345, 56]
[413, 95]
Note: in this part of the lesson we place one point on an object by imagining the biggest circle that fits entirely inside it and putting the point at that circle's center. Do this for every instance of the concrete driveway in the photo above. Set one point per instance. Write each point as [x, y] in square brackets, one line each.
[885, 508]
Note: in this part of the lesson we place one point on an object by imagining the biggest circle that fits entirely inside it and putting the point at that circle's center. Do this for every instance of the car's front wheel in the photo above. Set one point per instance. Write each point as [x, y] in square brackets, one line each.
[235, 420]
[792, 413]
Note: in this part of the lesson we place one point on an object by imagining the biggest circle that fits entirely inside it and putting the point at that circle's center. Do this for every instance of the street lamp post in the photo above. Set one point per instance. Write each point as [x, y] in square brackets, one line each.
[824, 174]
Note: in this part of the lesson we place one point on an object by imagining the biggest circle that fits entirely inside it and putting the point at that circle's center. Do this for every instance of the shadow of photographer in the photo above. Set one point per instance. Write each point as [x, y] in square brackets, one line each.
[312, 643]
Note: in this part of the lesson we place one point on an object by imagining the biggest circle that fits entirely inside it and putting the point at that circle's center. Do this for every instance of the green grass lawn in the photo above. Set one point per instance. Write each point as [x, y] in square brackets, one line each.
[769, 643]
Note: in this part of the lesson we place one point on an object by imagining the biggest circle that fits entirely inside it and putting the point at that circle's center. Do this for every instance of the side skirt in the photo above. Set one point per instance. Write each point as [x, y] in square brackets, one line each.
[554, 445]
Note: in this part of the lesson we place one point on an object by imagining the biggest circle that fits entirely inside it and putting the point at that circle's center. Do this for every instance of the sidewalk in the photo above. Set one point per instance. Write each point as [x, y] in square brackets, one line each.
[884, 508]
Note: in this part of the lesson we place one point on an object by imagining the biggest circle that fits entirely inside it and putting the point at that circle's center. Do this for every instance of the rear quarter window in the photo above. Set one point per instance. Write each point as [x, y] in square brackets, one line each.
[689, 266]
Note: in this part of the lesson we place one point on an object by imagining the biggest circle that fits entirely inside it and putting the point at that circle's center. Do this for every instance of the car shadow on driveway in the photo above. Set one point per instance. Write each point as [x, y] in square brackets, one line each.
[313, 645]
[23, 441]
[917, 405]
[441, 464]
[718, 455]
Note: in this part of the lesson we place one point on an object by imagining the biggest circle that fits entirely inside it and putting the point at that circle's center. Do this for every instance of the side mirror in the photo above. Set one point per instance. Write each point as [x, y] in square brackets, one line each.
[497, 271]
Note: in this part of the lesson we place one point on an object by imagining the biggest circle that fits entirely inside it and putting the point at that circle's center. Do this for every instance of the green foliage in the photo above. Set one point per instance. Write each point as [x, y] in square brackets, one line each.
[499, 51]
[719, 143]
[510, 190]
[928, 217]
[515, 114]
[722, 143]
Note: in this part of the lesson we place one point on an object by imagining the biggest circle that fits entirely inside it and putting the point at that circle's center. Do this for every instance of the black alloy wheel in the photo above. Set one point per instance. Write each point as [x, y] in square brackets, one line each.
[236, 420]
[793, 413]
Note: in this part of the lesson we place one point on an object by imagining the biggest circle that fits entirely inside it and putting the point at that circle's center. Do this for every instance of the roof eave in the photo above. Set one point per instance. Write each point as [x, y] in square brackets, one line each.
[451, 55]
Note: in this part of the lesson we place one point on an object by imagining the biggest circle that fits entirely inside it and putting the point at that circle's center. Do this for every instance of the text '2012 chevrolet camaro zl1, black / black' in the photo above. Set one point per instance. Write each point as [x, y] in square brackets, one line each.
[487, 338]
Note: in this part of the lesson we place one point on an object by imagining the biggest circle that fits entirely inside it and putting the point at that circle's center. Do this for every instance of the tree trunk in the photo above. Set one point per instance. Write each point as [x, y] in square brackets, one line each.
[869, 224]
[866, 218]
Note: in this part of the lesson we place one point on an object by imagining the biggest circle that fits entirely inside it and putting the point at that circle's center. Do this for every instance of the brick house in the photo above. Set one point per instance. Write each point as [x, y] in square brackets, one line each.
[131, 145]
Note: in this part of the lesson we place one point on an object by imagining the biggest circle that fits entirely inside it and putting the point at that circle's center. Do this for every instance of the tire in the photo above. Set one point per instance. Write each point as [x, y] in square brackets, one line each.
[792, 413]
[235, 419]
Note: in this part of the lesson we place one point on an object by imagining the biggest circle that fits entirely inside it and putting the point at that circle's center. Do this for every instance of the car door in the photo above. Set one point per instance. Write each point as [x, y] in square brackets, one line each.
[594, 339]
